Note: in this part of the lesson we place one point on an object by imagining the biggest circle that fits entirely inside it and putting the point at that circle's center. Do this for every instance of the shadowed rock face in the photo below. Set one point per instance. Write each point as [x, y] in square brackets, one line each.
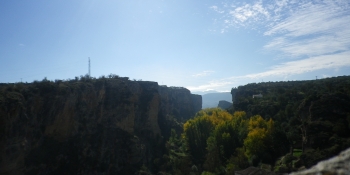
[224, 104]
[101, 126]
[177, 106]
[177, 101]
[197, 102]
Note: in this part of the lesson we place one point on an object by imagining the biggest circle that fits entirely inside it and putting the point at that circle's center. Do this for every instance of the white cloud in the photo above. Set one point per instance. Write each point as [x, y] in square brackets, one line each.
[315, 33]
[290, 15]
[311, 46]
[246, 14]
[334, 61]
[217, 85]
[279, 6]
[299, 27]
[202, 74]
[312, 18]
[216, 9]
[315, 29]
[249, 11]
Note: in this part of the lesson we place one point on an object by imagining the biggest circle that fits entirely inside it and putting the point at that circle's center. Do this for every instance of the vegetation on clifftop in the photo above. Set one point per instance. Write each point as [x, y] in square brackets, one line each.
[295, 124]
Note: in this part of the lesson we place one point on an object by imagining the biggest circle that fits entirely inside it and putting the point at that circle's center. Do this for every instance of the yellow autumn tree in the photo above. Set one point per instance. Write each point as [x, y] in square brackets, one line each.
[199, 129]
[259, 138]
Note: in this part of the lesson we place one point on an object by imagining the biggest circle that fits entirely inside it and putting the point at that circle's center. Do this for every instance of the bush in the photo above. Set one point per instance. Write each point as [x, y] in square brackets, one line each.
[311, 157]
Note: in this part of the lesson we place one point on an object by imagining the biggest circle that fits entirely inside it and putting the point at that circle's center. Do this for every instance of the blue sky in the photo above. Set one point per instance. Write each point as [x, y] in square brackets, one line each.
[201, 45]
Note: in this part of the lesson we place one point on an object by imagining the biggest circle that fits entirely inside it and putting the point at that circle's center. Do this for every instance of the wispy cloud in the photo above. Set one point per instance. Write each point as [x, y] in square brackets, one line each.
[202, 74]
[247, 12]
[217, 85]
[334, 61]
[297, 27]
[21, 45]
[216, 9]
[314, 33]
[312, 18]
[314, 29]
[236, 15]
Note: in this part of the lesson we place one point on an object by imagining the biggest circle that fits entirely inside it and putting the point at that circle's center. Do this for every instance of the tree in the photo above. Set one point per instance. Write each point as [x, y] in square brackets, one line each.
[213, 160]
[229, 135]
[177, 161]
[199, 129]
[259, 139]
[237, 161]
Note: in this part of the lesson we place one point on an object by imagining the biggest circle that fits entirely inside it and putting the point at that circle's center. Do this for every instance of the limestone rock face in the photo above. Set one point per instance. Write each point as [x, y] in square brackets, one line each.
[99, 126]
[338, 165]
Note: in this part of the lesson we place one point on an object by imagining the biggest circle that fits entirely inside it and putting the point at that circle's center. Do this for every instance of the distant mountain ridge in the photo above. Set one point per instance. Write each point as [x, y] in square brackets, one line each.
[211, 100]
[205, 92]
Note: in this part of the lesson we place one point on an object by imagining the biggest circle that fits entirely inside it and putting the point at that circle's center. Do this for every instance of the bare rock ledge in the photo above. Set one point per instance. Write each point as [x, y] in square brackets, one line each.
[338, 165]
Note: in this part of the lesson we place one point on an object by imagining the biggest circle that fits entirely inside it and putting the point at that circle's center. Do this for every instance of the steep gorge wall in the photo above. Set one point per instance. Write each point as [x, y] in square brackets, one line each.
[178, 101]
[177, 106]
[101, 126]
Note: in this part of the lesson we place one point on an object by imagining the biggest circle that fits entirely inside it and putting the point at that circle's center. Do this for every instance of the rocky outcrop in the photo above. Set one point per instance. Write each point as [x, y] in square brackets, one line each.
[233, 93]
[197, 102]
[224, 104]
[338, 165]
[95, 126]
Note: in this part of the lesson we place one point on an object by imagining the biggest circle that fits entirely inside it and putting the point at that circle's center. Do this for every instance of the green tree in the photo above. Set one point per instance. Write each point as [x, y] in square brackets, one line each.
[176, 161]
[237, 161]
[229, 135]
[213, 160]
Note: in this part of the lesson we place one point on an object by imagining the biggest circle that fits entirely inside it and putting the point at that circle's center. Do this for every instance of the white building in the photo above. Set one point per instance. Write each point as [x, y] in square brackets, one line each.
[258, 96]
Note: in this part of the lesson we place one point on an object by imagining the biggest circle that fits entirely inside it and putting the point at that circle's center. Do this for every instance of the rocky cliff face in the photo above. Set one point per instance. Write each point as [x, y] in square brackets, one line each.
[178, 101]
[338, 165]
[100, 126]
[177, 106]
[224, 104]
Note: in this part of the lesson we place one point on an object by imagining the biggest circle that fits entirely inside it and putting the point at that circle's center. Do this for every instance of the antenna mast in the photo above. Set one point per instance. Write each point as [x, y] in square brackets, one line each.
[89, 68]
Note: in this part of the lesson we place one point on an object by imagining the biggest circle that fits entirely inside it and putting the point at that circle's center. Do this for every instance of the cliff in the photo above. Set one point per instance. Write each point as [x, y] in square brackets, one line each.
[223, 104]
[91, 126]
[178, 101]
[177, 106]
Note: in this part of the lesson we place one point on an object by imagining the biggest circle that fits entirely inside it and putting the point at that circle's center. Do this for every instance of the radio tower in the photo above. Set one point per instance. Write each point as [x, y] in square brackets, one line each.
[89, 68]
